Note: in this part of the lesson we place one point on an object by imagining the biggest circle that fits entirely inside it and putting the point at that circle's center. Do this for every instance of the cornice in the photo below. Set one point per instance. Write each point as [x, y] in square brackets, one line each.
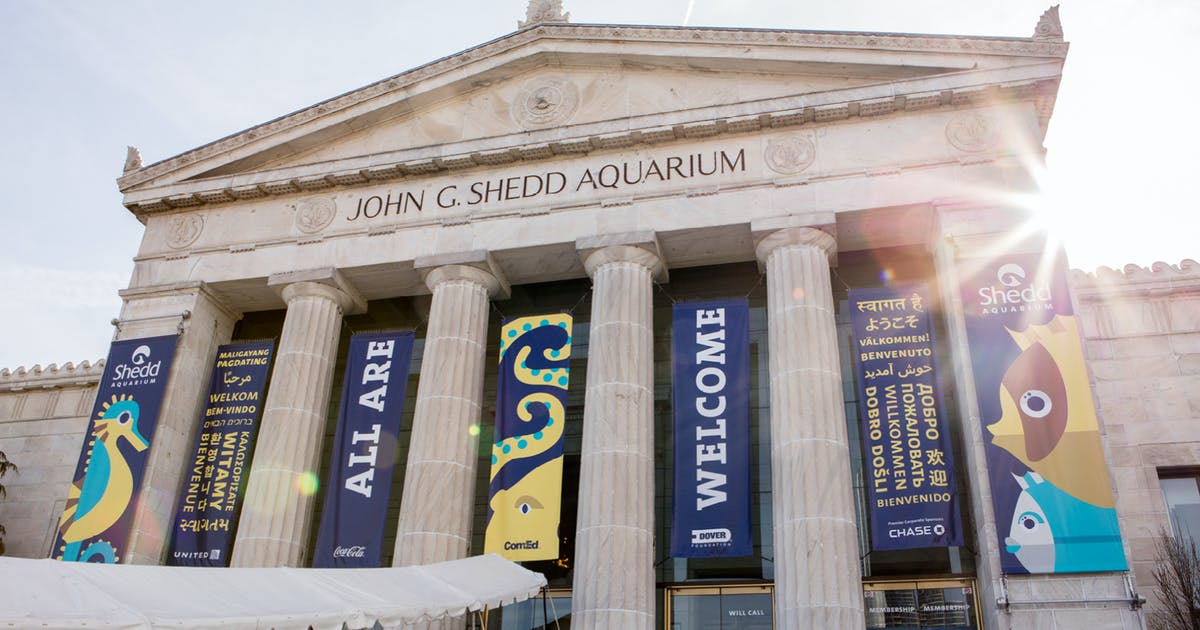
[51, 376]
[1137, 281]
[733, 121]
[708, 36]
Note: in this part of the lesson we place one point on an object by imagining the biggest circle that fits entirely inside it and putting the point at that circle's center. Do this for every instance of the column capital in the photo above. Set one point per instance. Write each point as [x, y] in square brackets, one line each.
[636, 247]
[771, 241]
[325, 282]
[477, 267]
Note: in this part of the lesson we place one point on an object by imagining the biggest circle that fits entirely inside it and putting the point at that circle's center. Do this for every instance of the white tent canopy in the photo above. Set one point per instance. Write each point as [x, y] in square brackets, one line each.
[53, 594]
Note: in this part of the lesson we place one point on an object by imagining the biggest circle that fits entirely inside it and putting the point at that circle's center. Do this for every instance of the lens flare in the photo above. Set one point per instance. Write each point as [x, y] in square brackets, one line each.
[798, 294]
[307, 483]
[473, 430]
[887, 275]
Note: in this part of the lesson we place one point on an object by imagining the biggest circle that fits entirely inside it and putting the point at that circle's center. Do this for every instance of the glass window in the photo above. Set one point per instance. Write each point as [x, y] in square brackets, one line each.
[1182, 495]
[721, 608]
[921, 605]
[551, 611]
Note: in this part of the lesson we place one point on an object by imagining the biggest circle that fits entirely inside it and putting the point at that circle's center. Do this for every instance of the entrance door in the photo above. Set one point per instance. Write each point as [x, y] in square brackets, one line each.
[921, 605]
[720, 608]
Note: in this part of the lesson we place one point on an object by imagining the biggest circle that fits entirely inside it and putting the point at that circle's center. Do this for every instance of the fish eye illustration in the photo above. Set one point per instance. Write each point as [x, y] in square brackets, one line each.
[1031, 521]
[527, 504]
[1036, 403]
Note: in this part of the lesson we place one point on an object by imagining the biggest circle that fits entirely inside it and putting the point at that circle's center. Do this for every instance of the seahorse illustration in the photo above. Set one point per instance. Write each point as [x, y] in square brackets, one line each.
[1047, 417]
[98, 499]
[526, 476]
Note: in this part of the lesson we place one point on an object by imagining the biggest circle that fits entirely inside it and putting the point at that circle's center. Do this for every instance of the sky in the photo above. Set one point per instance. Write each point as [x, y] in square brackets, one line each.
[84, 79]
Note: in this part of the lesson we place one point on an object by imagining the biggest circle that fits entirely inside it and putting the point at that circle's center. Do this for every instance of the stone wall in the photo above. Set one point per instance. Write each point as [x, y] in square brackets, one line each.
[1142, 340]
[43, 418]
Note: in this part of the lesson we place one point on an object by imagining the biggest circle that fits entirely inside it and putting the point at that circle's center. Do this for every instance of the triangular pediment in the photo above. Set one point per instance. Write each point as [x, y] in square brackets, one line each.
[573, 88]
[563, 97]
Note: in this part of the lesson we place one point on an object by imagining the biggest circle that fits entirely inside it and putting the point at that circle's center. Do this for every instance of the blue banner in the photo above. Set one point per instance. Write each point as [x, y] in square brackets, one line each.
[364, 451]
[710, 356]
[98, 516]
[1051, 491]
[912, 494]
[525, 491]
[220, 459]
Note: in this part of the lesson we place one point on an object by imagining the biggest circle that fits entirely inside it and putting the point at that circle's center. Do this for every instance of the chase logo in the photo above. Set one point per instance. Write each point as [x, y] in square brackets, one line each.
[719, 536]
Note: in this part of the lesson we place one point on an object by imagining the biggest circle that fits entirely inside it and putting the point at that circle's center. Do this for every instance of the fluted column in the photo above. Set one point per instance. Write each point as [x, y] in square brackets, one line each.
[439, 484]
[818, 580]
[273, 530]
[614, 540]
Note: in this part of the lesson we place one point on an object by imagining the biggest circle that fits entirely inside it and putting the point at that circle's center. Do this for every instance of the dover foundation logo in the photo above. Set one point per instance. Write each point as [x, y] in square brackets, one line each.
[1015, 292]
[716, 536]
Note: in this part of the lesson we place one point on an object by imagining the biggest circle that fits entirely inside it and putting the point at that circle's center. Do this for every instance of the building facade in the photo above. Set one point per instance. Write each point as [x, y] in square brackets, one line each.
[611, 172]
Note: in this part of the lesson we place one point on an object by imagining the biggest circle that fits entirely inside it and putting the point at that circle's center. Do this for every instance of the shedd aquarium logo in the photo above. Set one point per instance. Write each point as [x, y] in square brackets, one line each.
[1013, 294]
[139, 370]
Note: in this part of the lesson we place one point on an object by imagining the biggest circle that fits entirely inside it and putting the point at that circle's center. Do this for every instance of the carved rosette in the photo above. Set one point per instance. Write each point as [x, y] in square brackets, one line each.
[973, 132]
[544, 102]
[184, 229]
[790, 154]
[315, 214]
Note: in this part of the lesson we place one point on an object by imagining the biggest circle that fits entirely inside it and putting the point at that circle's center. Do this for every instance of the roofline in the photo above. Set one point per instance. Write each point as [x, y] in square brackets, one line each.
[1029, 46]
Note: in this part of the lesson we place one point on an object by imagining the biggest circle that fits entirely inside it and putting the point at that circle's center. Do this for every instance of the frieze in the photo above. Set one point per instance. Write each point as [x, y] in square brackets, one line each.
[933, 43]
[314, 214]
[789, 154]
[184, 229]
[973, 132]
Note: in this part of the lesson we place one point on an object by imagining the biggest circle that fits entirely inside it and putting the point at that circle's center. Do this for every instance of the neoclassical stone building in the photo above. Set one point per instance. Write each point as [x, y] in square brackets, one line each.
[610, 172]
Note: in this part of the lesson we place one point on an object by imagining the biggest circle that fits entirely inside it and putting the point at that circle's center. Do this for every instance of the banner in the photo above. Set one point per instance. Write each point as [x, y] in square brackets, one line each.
[1050, 485]
[98, 516]
[710, 357]
[525, 494]
[220, 460]
[912, 494]
[364, 451]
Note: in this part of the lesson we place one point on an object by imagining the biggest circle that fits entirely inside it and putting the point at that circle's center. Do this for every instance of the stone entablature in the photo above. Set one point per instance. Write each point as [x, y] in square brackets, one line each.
[67, 375]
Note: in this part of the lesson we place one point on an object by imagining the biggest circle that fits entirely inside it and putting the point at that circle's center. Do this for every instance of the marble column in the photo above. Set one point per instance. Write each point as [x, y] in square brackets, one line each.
[203, 322]
[280, 491]
[438, 503]
[614, 540]
[818, 579]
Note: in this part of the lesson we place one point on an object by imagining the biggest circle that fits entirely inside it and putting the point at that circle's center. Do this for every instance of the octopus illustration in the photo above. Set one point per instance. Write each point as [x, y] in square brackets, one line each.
[527, 460]
[1064, 519]
[100, 497]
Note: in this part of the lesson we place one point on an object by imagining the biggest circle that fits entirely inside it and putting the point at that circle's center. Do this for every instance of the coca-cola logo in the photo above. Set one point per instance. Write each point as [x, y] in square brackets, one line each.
[357, 551]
